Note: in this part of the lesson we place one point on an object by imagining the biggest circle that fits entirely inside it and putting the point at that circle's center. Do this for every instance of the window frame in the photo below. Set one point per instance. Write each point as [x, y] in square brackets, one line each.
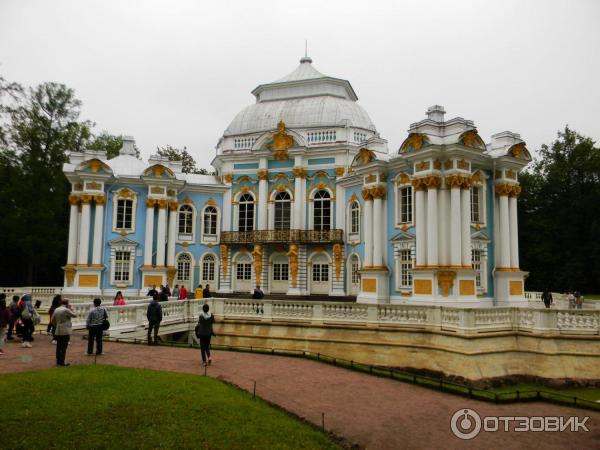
[125, 194]
[249, 206]
[324, 224]
[400, 206]
[282, 204]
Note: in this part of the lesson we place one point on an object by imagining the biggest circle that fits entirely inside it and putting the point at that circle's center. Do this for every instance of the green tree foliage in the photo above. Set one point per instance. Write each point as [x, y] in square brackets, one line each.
[559, 219]
[188, 162]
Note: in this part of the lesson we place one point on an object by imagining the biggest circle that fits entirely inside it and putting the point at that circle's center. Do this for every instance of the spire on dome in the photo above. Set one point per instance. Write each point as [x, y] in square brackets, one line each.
[305, 58]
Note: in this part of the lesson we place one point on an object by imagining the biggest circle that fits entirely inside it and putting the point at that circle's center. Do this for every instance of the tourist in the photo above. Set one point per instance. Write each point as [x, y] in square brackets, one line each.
[162, 297]
[206, 292]
[14, 316]
[182, 293]
[199, 292]
[56, 301]
[571, 299]
[93, 323]
[27, 313]
[61, 319]
[204, 331]
[154, 315]
[4, 320]
[175, 292]
[167, 290]
[547, 297]
[578, 300]
[119, 300]
[258, 294]
[152, 291]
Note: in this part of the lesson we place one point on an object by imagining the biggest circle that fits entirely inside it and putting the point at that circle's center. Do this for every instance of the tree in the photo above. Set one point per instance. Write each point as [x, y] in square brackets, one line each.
[559, 220]
[42, 125]
[188, 162]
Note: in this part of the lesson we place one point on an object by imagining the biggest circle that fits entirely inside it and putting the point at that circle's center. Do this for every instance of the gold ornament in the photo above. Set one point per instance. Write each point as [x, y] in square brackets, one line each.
[99, 199]
[414, 141]
[157, 190]
[293, 260]
[337, 258]
[339, 171]
[299, 172]
[224, 259]
[421, 166]
[446, 281]
[74, 199]
[257, 254]
[281, 142]
[263, 174]
[227, 177]
[93, 186]
[364, 156]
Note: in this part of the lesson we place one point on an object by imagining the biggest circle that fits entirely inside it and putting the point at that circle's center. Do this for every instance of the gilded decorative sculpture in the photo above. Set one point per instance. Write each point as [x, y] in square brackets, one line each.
[224, 260]
[281, 142]
[337, 258]
[257, 254]
[446, 281]
[293, 260]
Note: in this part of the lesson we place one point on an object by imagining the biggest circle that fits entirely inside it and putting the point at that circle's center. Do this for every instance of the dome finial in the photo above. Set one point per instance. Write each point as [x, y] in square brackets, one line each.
[305, 58]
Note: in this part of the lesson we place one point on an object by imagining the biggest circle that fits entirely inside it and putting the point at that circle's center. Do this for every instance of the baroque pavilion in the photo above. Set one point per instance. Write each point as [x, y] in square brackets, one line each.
[307, 200]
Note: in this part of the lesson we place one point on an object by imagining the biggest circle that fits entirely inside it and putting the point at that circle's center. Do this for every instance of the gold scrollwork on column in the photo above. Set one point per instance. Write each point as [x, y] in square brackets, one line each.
[86, 199]
[263, 174]
[446, 281]
[337, 258]
[432, 182]
[293, 260]
[299, 172]
[162, 204]
[99, 199]
[173, 206]
[460, 181]
[74, 199]
[150, 202]
[378, 192]
[366, 194]
[503, 189]
[418, 184]
[227, 177]
[257, 254]
[224, 259]
[515, 192]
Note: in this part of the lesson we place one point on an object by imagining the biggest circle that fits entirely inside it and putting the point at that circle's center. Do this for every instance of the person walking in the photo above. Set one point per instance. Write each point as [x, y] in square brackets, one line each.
[93, 323]
[578, 300]
[56, 301]
[14, 316]
[152, 291]
[547, 297]
[571, 300]
[204, 331]
[199, 292]
[61, 319]
[206, 292]
[154, 315]
[182, 293]
[119, 300]
[175, 292]
[27, 314]
[4, 321]
[167, 290]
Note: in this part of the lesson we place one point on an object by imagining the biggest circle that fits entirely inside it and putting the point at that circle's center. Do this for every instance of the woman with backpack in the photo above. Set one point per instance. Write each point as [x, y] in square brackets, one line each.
[204, 331]
[28, 316]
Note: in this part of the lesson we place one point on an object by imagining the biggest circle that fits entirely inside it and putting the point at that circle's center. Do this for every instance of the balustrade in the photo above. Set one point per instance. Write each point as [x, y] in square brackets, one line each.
[282, 236]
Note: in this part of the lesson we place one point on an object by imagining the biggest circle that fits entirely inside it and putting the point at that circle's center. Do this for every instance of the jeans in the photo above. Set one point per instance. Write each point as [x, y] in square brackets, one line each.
[28, 329]
[153, 326]
[95, 333]
[2, 334]
[205, 347]
[62, 343]
[11, 327]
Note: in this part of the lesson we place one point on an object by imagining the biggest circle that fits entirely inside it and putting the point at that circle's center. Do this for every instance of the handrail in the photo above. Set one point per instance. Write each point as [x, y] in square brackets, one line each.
[282, 236]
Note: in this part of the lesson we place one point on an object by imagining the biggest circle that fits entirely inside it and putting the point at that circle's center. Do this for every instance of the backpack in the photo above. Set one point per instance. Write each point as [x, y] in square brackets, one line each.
[197, 330]
[25, 314]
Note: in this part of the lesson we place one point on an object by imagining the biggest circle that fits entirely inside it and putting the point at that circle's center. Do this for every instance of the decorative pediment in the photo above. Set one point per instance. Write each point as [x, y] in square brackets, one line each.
[471, 139]
[159, 171]
[519, 151]
[480, 236]
[363, 157]
[123, 242]
[95, 166]
[403, 237]
[414, 142]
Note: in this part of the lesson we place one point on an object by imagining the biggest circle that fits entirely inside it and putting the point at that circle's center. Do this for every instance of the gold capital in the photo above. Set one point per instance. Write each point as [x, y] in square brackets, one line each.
[74, 199]
[150, 202]
[263, 174]
[299, 172]
[100, 199]
[86, 199]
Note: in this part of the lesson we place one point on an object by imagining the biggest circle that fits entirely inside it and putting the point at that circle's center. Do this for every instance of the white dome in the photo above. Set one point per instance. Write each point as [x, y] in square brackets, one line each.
[303, 99]
[322, 111]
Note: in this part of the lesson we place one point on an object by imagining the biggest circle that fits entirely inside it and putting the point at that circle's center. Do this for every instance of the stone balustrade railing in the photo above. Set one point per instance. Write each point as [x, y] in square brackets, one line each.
[132, 318]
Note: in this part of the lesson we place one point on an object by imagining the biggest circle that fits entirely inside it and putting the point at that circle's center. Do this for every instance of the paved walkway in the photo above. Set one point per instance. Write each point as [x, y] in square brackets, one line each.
[375, 413]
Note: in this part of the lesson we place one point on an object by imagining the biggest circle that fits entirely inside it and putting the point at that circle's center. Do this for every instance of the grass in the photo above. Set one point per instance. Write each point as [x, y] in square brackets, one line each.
[121, 408]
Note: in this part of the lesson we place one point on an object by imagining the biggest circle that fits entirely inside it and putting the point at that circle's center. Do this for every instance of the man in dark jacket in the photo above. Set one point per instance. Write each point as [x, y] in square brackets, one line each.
[206, 291]
[152, 291]
[204, 331]
[154, 315]
[14, 316]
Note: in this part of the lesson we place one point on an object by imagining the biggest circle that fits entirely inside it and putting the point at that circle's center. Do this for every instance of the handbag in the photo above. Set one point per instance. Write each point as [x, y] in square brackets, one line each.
[105, 322]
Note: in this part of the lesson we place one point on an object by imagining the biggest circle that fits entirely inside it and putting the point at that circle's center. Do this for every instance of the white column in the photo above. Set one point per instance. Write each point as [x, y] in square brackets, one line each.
[262, 194]
[303, 201]
[421, 230]
[172, 234]
[504, 231]
[443, 229]
[226, 213]
[98, 231]
[496, 233]
[514, 232]
[73, 231]
[84, 231]
[455, 227]
[368, 229]
[161, 231]
[432, 224]
[298, 203]
[340, 208]
[465, 210]
[149, 237]
[376, 230]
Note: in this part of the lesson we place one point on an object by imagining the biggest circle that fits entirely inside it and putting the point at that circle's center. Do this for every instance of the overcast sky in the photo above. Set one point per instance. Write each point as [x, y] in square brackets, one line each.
[177, 72]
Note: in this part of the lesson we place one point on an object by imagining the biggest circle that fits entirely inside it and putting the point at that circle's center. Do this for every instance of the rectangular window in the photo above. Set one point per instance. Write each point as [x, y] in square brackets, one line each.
[244, 271]
[355, 274]
[476, 204]
[280, 272]
[405, 269]
[208, 270]
[405, 204]
[124, 214]
[282, 215]
[122, 266]
[183, 270]
[476, 261]
[320, 272]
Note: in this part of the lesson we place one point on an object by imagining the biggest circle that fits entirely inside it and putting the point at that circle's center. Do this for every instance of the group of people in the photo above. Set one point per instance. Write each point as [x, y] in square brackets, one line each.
[574, 298]
[20, 317]
[180, 293]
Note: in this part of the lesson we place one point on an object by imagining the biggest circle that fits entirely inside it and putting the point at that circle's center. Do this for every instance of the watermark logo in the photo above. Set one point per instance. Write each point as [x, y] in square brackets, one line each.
[467, 424]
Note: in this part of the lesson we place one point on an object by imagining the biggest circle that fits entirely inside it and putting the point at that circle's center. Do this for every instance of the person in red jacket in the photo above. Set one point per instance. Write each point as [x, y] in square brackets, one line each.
[119, 300]
[182, 293]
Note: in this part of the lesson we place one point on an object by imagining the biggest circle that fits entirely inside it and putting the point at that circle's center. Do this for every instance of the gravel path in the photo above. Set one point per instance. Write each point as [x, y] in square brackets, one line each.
[375, 413]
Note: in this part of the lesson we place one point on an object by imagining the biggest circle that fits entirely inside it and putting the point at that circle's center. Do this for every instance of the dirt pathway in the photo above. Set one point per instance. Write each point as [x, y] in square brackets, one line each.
[375, 413]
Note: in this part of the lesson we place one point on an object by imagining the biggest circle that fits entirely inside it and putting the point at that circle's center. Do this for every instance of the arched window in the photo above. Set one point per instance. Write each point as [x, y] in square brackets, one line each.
[186, 219]
[282, 211]
[322, 210]
[246, 216]
[355, 267]
[354, 217]
[184, 262]
[210, 221]
[208, 268]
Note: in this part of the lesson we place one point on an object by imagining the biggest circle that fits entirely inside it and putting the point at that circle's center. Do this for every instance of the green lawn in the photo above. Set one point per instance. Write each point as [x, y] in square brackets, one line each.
[111, 407]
